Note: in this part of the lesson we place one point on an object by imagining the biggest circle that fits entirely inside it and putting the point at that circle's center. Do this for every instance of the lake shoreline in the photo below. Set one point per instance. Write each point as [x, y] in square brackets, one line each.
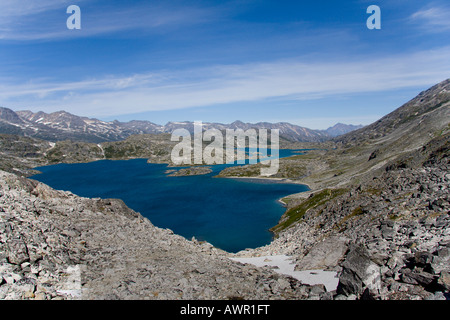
[177, 168]
[279, 180]
[257, 202]
[276, 180]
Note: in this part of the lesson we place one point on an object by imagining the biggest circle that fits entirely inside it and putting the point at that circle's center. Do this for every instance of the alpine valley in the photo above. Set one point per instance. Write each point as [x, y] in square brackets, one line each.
[377, 213]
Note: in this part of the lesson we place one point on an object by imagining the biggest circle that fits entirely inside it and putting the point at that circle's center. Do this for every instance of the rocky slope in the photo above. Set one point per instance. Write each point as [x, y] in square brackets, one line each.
[416, 120]
[383, 220]
[55, 245]
[388, 237]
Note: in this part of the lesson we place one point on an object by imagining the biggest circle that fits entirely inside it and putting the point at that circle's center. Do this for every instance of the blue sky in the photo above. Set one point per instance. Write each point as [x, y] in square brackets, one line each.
[311, 63]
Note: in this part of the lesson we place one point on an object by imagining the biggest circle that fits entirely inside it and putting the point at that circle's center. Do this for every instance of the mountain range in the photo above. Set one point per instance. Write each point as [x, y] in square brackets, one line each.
[61, 125]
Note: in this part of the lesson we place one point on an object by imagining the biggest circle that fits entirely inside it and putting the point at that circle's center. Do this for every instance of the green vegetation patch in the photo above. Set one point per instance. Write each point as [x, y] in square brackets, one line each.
[303, 156]
[294, 214]
[373, 191]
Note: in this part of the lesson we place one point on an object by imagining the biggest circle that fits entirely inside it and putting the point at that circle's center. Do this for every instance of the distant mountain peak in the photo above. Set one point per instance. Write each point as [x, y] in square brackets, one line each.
[9, 115]
[341, 128]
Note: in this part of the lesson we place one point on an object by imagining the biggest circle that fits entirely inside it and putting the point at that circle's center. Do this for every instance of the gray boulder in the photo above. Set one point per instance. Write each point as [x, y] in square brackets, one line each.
[17, 251]
[325, 254]
[444, 280]
[417, 277]
[441, 261]
[359, 274]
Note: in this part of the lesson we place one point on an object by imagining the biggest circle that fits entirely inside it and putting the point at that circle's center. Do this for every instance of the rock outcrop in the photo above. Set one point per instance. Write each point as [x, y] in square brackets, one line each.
[190, 171]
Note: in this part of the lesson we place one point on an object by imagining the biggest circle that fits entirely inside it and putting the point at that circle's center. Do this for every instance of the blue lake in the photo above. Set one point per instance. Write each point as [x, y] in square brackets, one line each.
[231, 214]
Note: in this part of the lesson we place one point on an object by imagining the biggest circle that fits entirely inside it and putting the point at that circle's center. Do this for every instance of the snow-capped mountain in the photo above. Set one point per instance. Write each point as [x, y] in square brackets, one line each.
[62, 125]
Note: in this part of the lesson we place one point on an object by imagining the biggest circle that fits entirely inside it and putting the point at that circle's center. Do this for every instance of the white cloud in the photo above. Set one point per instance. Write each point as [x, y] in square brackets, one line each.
[433, 19]
[28, 20]
[13, 8]
[31, 19]
[209, 86]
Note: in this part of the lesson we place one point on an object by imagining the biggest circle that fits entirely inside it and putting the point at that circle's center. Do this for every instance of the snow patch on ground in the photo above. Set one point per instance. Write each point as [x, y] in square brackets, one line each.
[284, 265]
